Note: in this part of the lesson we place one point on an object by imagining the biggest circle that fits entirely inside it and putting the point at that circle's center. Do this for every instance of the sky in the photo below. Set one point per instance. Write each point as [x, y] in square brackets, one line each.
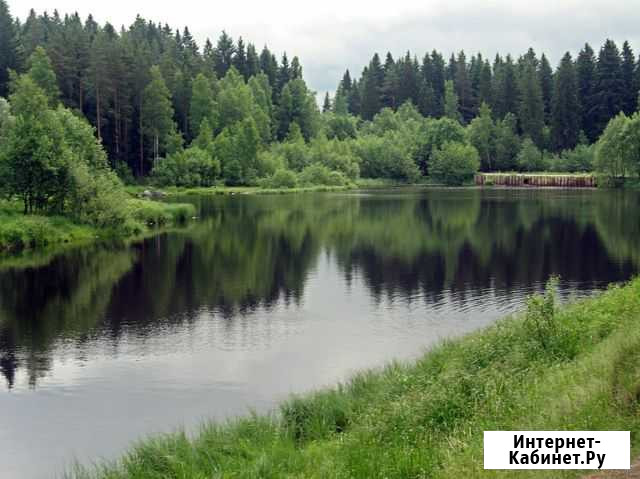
[332, 35]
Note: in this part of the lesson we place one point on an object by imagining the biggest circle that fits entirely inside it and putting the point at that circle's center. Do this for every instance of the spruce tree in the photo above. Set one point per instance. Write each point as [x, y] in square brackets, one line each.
[506, 90]
[389, 89]
[223, 54]
[462, 84]
[326, 105]
[437, 83]
[370, 93]
[531, 111]
[545, 74]
[451, 108]
[240, 59]
[609, 93]
[253, 61]
[296, 68]
[585, 72]
[565, 124]
[9, 47]
[628, 77]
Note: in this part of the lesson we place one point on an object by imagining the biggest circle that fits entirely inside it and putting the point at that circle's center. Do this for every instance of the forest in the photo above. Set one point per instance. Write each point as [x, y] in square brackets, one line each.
[168, 112]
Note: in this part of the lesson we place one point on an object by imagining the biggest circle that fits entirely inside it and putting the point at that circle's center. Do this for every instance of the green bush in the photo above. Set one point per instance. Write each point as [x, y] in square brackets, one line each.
[580, 159]
[317, 174]
[340, 127]
[530, 157]
[454, 163]
[385, 157]
[98, 198]
[281, 179]
[155, 213]
[191, 167]
[29, 231]
[540, 320]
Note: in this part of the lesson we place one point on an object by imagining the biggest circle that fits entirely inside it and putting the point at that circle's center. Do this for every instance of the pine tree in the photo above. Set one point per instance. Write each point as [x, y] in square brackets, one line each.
[565, 124]
[9, 47]
[609, 94]
[99, 77]
[585, 71]
[33, 33]
[628, 76]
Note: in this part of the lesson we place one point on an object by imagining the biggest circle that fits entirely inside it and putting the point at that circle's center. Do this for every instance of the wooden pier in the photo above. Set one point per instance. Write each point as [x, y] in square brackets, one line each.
[536, 180]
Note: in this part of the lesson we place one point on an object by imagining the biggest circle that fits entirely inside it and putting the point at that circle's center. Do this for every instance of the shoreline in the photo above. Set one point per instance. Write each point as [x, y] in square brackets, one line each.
[21, 234]
[425, 418]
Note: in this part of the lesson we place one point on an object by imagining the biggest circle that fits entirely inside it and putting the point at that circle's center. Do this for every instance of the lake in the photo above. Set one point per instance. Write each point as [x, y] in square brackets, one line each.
[263, 296]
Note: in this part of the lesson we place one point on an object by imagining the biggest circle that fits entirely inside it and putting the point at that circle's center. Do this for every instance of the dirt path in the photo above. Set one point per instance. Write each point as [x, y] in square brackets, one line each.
[633, 473]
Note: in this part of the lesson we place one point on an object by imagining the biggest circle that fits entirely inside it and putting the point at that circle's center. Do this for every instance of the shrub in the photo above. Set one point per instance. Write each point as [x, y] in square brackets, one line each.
[385, 157]
[544, 327]
[454, 163]
[340, 127]
[97, 197]
[191, 167]
[617, 149]
[530, 157]
[155, 213]
[335, 155]
[317, 174]
[540, 317]
[281, 179]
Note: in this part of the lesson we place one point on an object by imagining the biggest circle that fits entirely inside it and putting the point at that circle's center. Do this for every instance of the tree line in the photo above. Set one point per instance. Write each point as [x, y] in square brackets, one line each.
[166, 111]
[120, 79]
[552, 107]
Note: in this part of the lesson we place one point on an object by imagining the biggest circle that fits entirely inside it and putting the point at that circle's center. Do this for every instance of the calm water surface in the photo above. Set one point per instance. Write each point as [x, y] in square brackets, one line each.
[268, 295]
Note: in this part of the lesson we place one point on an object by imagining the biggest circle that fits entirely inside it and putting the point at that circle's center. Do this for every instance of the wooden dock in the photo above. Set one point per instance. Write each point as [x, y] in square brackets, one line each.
[536, 180]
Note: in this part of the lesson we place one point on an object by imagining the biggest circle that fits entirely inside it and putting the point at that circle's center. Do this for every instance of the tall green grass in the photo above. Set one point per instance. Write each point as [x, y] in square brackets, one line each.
[24, 232]
[19, 232]
[574, 368]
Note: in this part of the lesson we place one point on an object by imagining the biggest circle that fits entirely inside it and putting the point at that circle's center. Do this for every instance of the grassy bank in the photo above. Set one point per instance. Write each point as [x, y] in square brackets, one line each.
[365, 183]
[577, 368]
[234, 190]
[23, 232]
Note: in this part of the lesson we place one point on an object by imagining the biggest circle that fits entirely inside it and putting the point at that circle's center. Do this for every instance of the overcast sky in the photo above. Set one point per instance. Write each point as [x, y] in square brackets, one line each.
[332, 35]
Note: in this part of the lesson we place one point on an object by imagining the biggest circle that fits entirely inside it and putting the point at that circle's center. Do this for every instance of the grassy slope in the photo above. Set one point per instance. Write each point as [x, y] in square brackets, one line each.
[426, 419]
[24, 232]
